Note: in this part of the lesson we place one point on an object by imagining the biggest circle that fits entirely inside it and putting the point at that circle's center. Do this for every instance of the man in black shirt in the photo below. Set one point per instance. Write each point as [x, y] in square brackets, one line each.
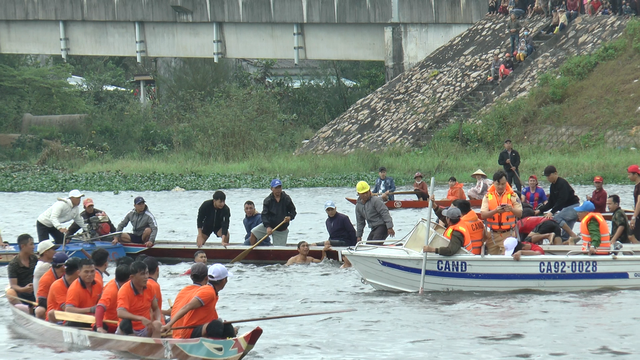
[213, 217]
[276, 208]
[510, 161]
[562, 202]
[20, 271]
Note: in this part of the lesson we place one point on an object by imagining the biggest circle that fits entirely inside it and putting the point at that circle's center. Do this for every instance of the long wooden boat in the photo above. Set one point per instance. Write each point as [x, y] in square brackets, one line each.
[73, 249]
[417, 204]
[69, 338]
[173, 251]
[399, 268]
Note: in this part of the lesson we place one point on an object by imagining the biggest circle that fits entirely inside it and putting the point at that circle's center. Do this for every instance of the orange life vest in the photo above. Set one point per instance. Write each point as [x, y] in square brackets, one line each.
[506, 220]
[463, 230]
[475, 227]
[605, 243]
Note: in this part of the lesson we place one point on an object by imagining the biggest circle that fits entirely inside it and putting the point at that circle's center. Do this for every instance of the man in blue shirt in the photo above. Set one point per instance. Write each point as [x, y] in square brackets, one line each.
[252, 219]
[339, 226]
[384, 185]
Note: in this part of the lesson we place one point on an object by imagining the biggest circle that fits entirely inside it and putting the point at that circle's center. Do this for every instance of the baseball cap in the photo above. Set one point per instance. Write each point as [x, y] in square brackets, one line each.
[549, 170]
[598, 179]
[586, 206]
[87, 202]
[329, 204]
[46, 245]
[510, 244]
[452, 213]
[418, 174]
[199, 269]
[218, 272]
[75, 194]
[276, 183]
[533, 177]
[633, 169]
[362, 187]
[59, 258]
[138, 200]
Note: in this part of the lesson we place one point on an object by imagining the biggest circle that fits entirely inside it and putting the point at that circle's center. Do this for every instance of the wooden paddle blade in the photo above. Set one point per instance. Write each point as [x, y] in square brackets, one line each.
[81, 318]
[23, 300]
[246, 252]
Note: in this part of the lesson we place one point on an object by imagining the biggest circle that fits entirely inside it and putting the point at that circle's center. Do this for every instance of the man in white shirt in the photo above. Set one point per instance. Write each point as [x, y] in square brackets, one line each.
[46, 250]
[50, 222]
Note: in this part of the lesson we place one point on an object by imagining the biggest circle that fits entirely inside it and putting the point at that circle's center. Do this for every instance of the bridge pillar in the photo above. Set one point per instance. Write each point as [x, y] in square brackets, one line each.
[217, 42]
[394, 53]
[140, 46]
[64, 45]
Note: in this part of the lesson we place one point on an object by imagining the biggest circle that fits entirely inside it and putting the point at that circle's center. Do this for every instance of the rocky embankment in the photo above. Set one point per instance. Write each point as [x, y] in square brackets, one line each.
[405, 112]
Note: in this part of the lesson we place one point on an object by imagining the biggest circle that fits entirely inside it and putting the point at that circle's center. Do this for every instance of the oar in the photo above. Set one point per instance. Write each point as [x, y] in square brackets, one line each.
[81, 318]
[398, 192]
[23, 300]
[246, 252]
[100, 237]
[272, 318]
[513, 168]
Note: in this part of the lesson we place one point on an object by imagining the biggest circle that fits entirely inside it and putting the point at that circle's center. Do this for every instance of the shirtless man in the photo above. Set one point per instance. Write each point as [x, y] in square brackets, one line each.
[303, 255]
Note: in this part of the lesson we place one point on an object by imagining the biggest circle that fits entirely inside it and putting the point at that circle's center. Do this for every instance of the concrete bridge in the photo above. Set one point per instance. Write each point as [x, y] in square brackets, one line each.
[398, 32]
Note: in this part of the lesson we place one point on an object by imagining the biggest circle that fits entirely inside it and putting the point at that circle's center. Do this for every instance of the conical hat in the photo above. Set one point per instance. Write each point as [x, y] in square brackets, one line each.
[479, 172]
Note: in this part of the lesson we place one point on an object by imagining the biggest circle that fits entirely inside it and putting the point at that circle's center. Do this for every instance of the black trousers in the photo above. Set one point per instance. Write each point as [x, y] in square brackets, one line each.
[513, 179]
[44, 232]
[380, 233]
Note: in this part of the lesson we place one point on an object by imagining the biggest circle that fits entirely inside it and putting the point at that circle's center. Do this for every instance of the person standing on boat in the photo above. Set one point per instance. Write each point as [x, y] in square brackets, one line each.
[420, 187]
[619, 223]
[137, 303]
[107, 306]
[455, 190]
[56, 271]
[339, 226]
[84, 293]
[213, 217]
[46, 251]
[375, 213]
[20, 271]
[456, 232]
[276, 208]
[534, 194]
[49, 223]
[384, 185]
[562, 203]
[482, 185]
[500, 208]
[593, 230]
[599, 195]
[510, 161]
[303, 255]
[58, 290]
[145, 227]
[633, 173]
[98, 223]
[200, 312]
[252, 218]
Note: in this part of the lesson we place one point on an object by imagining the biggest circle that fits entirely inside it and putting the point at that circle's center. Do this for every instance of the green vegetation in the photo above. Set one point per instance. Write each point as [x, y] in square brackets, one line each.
[219, 127]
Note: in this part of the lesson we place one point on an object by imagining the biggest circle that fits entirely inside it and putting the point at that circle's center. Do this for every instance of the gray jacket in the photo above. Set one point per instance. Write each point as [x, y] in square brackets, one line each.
[139, 222]
[375, 212]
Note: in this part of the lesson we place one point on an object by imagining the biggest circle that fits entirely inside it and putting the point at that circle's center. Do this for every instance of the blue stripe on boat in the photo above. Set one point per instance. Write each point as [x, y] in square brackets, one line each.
[466, 275]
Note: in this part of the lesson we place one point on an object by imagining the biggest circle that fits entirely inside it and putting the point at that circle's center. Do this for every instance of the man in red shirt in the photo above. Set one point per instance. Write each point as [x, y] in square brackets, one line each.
[200, 313]
[599, 196]
[84, 293]
[135, 300]
[516, 249]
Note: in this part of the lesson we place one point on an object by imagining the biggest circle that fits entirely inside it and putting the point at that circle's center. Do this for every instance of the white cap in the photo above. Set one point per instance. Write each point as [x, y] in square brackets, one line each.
[218, 272]
[75, 194]
[510, 244]
[45, 245]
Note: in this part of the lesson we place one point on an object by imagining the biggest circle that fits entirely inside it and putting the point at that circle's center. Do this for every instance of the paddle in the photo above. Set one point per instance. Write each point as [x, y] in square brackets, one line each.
[99, 237]
[272, 318]
[399, 192]
[23, 300]
[246, 252]
[81, 318]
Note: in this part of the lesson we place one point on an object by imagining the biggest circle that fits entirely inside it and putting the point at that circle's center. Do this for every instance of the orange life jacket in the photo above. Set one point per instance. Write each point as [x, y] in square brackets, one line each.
[506, 220]
[463, 230]
[605, 243]
[475, 227]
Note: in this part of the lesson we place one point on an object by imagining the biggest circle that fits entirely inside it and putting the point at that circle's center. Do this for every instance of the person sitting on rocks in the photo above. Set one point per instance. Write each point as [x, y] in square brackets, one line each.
[522, 50]
[529, 43]
[563, 22]
[504, 7]
[506, 68]
[540, 8]
[593, 7]
[520, 8]
[495, 67]
[605, 9]
[627, 11]
[493, 8]
[573, 9]
[555, 20]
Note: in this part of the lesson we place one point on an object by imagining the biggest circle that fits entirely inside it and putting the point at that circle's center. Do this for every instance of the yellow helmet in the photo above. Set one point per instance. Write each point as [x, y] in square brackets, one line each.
[362, 187]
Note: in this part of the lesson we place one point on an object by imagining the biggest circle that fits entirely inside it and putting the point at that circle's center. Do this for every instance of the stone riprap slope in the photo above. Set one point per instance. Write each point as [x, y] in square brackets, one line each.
[405, 112]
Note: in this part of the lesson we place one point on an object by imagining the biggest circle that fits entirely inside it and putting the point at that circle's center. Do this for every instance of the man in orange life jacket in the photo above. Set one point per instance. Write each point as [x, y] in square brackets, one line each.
[500, 208]
[593, 230]
[474, 226]
[456, 232]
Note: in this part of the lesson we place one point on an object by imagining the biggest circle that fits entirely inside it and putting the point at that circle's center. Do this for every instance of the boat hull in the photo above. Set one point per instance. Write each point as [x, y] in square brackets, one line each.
[73, 249]
[400, 270]
[418, 204]
[68, 338]
[183, 251]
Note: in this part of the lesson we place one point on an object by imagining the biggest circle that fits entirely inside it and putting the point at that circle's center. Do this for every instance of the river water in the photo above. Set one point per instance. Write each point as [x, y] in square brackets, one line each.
[385, 326]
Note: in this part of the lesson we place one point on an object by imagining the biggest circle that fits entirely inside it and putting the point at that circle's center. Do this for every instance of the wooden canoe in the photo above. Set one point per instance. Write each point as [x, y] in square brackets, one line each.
[69, 338]
[73, 249]
[174, 251]
[418, 204]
